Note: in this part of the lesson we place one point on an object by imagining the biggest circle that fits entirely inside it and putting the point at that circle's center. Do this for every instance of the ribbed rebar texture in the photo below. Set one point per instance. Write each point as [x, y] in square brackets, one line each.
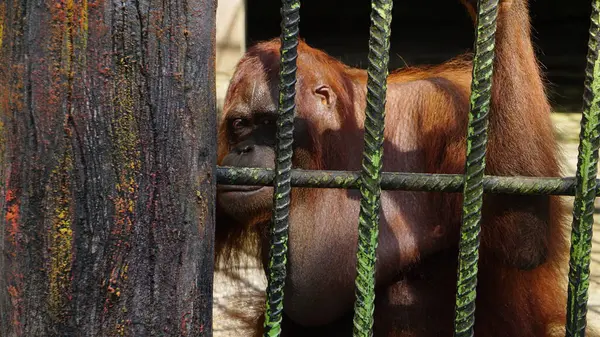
[290, 12]
[379, 47]
[399, 181]
[587, 164]
[476, 147]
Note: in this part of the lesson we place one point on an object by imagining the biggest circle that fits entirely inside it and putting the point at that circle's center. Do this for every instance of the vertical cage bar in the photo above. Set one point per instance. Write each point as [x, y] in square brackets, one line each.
[290, 13]
[368, 228]
[585, 194]
[464, 320]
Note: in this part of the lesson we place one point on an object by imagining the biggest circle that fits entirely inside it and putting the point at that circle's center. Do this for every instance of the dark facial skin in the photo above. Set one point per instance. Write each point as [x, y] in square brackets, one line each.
[252, 145]
[249, 127]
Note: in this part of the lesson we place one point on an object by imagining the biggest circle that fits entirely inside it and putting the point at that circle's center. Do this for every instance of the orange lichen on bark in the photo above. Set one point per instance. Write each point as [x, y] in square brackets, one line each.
[12, 219]
[15, 279]
[11, 102]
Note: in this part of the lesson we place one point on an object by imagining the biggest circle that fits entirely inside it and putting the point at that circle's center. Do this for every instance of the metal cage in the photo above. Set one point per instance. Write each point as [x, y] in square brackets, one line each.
[472, 184]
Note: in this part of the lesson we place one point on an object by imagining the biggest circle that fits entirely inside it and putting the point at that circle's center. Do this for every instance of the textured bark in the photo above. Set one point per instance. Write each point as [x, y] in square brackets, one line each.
[107, 156]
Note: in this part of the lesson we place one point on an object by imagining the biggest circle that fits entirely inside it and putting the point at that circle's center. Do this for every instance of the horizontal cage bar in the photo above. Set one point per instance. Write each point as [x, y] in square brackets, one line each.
[399, 181]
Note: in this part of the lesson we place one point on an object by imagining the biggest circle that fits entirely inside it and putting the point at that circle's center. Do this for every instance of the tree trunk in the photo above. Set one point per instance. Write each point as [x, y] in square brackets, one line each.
[107, 158]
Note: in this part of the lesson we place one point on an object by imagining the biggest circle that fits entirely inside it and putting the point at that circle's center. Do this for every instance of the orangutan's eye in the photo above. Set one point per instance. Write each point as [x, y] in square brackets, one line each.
[238, 124]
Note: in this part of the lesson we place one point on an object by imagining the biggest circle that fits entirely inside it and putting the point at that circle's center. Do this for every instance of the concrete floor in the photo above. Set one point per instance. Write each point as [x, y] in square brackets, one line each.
[567, 126]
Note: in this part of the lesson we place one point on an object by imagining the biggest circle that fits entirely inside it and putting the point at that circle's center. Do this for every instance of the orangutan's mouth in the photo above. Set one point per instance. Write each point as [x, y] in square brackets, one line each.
[237, 188]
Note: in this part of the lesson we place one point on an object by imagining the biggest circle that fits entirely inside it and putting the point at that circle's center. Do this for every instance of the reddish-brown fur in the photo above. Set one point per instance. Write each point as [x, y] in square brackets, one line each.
[522, 264]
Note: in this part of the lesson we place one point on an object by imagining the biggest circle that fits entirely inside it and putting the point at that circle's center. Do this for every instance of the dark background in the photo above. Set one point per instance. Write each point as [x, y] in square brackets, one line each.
[433, 31]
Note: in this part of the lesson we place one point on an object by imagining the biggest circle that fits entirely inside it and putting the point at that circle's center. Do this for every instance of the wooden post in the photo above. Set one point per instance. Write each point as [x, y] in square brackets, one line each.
[107, 167]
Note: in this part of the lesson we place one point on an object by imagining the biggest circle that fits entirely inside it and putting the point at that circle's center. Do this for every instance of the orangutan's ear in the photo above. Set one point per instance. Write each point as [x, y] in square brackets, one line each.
[325, 95]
